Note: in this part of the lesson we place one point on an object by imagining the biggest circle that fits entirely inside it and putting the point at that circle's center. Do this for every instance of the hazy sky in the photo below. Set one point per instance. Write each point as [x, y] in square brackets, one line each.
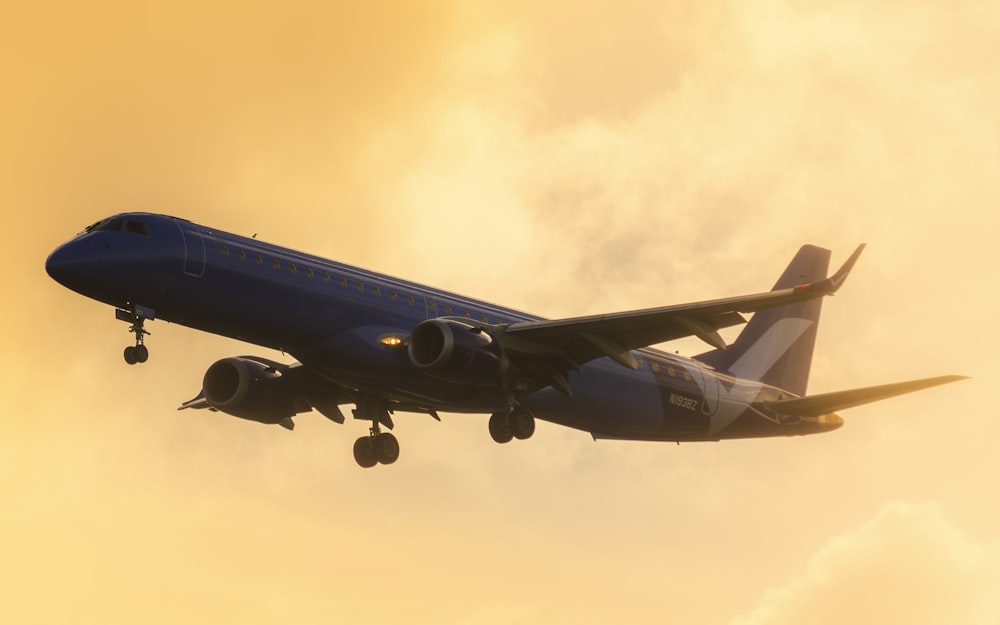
[566, 159]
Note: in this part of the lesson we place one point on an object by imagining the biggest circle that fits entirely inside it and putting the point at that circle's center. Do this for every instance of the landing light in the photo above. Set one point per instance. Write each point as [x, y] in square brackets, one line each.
[391, 340]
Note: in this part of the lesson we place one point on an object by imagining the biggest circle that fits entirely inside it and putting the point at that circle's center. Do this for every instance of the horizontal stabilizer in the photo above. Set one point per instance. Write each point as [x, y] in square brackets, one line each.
[825, 403]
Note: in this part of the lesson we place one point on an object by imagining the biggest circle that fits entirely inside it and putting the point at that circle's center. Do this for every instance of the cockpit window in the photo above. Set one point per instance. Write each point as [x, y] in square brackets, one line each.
[136, 227]
[118, 224]
[108, 225]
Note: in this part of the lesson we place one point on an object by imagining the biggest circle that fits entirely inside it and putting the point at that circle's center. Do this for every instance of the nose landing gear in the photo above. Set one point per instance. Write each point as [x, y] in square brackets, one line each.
[138, 353]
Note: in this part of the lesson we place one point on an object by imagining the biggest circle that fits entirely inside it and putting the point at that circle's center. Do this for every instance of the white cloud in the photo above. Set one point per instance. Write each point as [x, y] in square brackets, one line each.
[909, 564]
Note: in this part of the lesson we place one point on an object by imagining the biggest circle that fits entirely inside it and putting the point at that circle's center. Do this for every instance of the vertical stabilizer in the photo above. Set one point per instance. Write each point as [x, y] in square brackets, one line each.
[776, 347]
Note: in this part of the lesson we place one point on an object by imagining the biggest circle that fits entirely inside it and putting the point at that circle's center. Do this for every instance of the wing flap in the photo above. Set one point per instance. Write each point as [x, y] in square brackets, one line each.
[826, 403]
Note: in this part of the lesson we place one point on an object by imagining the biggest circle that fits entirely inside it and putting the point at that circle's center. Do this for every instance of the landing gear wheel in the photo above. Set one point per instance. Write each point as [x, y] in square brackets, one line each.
[521, 423]
[499, 429]
[136, 316]
[385, 448]
[363, 453]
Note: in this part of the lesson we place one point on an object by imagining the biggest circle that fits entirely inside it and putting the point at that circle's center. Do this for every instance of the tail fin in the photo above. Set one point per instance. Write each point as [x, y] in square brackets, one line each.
[776, 347]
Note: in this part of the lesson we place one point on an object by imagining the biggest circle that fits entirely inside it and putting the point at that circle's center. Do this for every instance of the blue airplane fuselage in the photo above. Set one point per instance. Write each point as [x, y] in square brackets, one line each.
[351, 326]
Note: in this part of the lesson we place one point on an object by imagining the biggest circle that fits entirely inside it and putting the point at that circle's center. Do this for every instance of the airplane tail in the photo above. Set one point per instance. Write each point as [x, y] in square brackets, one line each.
[776, 347]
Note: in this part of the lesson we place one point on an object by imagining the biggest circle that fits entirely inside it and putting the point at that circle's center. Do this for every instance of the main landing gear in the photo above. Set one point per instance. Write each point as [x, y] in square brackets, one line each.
[138, 353]
[516, 423]
[378, 447]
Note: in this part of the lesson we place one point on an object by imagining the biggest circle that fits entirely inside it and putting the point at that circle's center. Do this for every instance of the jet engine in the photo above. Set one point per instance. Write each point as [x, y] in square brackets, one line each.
[251, 390]
[454, 350]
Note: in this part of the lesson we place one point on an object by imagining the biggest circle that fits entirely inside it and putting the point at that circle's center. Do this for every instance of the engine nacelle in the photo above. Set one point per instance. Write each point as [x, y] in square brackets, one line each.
[250, 390]
[458, 351]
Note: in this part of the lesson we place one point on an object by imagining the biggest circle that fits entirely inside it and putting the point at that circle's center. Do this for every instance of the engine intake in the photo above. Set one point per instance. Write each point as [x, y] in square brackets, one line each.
[458, 351]
[250, 390]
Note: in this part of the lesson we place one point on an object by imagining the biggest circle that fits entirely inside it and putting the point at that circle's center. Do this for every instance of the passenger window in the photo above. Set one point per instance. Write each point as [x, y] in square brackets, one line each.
[393, 296]
[447, 309]
[466, 314]
[309, 272]
[242, 255]
[430, 305]
[377, 291]
[292, 268]
[343, 282]
[225, 251]
[276, 264]
[257, 258]
[326, 277]
[484, 318]
[655, 367]
[410, 300]
[136, 227]
[361, 287]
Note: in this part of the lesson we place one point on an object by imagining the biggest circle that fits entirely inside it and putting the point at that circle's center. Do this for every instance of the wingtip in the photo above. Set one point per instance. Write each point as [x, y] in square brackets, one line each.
[948, 379]
[838, 278]
[832, 284]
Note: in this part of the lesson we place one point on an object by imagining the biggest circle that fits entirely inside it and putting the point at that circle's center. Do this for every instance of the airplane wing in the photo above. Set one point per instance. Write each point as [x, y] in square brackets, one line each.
[578, 340]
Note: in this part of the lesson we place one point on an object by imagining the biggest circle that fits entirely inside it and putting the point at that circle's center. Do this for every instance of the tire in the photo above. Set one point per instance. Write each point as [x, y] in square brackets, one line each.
[130, 355]
[386, 448]
[363, 454]
[141, 354]
[499, 430]
[521, 424]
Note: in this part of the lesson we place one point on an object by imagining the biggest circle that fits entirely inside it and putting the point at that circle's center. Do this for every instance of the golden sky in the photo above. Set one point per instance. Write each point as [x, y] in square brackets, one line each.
[566, 159]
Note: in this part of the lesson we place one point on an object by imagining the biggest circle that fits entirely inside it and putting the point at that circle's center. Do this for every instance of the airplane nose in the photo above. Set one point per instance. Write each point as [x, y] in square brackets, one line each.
[55, 264]
[64, 264]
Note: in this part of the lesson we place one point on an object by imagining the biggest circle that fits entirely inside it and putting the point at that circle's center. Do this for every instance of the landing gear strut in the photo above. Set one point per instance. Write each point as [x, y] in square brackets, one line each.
[516, 423]
[138, 353]
[378, 447]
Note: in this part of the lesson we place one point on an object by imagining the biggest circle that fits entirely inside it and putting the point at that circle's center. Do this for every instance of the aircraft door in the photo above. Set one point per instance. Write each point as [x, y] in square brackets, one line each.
[710, 387]
[194, 250]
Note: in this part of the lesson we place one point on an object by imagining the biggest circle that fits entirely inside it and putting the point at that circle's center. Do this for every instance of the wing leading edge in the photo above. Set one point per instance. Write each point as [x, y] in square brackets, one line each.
[578, 340]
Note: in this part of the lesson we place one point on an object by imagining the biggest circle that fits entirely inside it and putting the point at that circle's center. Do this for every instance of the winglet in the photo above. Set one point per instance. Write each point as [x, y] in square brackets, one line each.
[833, 283]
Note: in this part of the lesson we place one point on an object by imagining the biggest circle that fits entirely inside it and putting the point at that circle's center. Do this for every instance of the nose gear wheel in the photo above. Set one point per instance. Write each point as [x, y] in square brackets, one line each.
[137, 353]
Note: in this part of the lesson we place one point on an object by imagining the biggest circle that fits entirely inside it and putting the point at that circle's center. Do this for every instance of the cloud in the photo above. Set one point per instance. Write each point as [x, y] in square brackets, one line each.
[909, 564]
[561, 158]
[712, 136]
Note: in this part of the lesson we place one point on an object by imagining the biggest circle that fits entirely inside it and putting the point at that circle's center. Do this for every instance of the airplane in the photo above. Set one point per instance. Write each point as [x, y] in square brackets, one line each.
[387, 345]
